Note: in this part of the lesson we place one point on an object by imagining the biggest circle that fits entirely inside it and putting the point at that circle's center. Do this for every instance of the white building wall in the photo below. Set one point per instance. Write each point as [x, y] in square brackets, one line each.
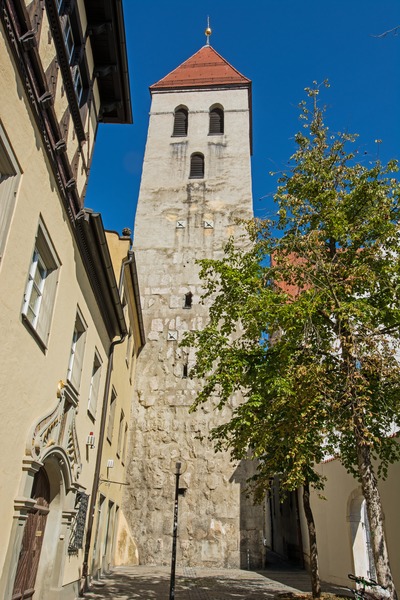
[340, 538]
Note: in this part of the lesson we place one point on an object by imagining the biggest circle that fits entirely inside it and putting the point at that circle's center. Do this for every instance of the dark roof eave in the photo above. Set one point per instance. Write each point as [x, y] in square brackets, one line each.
[124, 62]
[117, 40]
[210, 84]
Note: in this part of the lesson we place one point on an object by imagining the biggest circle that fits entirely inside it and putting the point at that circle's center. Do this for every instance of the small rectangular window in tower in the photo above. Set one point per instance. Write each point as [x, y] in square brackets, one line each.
[188, 300]
[185, 371]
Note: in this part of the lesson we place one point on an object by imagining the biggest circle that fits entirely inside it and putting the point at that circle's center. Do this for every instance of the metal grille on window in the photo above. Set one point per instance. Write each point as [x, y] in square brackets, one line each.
[216, 121]
[78, 526]
[197, 166]
[180, 123]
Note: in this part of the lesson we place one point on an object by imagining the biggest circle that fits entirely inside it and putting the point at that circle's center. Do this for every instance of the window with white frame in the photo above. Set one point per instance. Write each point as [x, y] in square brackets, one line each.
[10, 174]
[69, 39]
[75, 365]
[40, 291]
[111, 416]
[94, 385]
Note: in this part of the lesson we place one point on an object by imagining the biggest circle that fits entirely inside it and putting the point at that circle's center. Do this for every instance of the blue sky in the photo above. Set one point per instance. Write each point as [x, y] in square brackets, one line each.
[282, 46]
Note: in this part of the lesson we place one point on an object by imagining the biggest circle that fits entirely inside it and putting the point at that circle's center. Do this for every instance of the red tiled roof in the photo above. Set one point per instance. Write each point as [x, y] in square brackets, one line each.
[203, 69]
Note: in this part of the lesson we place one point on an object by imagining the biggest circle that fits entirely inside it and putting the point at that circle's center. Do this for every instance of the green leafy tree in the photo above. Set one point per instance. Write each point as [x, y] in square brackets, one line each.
[305, 322]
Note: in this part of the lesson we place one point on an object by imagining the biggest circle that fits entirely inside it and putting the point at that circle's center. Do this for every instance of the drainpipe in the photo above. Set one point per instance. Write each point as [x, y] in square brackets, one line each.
[96, 479]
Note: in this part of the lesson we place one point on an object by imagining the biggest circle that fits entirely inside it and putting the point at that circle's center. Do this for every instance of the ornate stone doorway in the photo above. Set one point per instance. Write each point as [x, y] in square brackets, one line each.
[24, 585]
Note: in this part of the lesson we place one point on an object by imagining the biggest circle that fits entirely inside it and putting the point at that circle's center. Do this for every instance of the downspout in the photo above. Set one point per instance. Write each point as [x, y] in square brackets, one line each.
[96, 479]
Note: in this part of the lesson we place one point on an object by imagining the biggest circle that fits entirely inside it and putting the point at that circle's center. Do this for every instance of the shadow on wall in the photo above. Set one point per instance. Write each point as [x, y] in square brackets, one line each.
[252, 520]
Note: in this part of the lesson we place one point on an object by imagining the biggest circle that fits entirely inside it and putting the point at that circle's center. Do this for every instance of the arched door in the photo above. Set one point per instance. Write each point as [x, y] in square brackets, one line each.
[24, 584]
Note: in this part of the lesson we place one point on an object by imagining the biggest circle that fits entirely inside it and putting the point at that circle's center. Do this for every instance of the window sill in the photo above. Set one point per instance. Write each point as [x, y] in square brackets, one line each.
[71, 393]
[34, 333]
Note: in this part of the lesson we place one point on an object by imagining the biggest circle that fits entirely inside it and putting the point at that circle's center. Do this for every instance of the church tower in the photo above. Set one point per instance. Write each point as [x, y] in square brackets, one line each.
[196, 183]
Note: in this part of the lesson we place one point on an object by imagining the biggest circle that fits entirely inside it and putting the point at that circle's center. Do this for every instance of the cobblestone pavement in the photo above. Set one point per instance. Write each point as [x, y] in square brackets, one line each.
[148, 583]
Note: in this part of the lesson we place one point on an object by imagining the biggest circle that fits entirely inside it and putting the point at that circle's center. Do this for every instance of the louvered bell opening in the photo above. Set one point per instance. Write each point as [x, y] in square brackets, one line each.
[216, 121]
[180, 123]
[197, 167]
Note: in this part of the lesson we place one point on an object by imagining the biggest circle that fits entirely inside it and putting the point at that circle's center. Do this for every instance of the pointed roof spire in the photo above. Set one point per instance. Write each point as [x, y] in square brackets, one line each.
[208, 31]
[204, 69]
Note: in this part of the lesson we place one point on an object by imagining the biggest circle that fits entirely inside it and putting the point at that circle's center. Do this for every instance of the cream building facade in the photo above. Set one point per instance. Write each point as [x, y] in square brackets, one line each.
[110, 542]
[63, 69]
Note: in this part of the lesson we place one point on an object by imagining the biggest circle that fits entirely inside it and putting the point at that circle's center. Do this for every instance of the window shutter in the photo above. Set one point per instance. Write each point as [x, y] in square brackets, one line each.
[180, 123]
[197, 166]
[77, 352]
[216, 121]
[111, 415]
[9, 177]
[94, 386]
[7, 201]
[46, 307]
[78, 361]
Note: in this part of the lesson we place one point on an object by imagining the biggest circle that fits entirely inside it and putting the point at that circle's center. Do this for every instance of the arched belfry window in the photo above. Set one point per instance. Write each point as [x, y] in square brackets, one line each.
[197, 166]
[181, 118]
[216, 120]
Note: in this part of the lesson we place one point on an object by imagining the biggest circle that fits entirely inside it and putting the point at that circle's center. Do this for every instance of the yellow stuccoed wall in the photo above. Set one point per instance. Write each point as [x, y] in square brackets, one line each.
[28, 374]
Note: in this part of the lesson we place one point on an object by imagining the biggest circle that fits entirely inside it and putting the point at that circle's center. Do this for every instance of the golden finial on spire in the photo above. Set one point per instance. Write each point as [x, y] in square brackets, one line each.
[208, 31]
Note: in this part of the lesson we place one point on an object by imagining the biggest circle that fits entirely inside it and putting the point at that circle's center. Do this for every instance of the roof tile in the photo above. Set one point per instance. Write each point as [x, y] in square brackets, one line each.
[205, 68]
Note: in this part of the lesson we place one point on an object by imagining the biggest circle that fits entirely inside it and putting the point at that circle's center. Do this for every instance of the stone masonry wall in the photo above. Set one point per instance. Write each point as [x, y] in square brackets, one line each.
[178, 221]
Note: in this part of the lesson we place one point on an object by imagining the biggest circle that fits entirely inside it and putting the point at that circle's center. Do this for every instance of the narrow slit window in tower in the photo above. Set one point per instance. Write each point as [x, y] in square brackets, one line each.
[188, 300]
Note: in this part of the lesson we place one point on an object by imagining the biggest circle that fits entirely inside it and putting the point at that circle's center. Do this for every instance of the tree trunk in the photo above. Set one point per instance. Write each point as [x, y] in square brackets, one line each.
[375, 517]
[312, 536]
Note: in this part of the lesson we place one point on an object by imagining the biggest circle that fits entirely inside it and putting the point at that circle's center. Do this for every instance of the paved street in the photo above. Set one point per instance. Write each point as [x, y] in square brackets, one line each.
[148, 583]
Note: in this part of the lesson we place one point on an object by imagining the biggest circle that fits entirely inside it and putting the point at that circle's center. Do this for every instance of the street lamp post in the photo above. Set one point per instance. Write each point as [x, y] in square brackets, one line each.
[175, 531]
